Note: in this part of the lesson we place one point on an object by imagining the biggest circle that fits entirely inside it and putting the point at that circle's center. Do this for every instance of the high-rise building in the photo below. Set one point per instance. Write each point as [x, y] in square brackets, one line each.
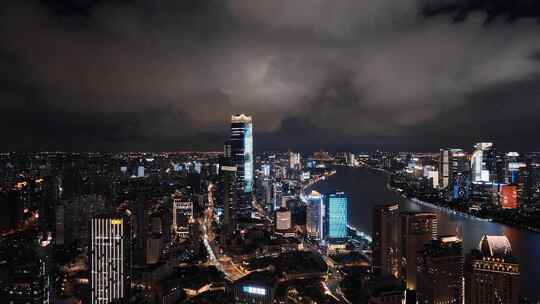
[294, 160]
[386, 256]
[266, 170]
[182, 215]
[509, 196]
[351, 159]
[454, 172]
[440, 271]
[512, 167]
[140, 171]
[417, 228]
[229, 197]
[444, 168]
[277, 194]
[484, 163]
[241, 152]
[153, 249]
[335, 216]
[492, 273]
[283, 219]
[315, 215]
[110, 258]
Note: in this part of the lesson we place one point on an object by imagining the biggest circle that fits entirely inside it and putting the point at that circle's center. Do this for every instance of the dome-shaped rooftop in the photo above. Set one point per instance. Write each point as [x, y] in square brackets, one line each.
[495, 246]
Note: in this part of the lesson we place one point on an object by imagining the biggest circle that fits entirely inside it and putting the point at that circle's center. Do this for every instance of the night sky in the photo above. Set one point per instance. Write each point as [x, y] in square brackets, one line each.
[154, 75]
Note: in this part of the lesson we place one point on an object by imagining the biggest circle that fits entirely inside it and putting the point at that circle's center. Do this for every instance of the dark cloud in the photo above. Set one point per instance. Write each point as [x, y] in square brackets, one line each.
[166, 74]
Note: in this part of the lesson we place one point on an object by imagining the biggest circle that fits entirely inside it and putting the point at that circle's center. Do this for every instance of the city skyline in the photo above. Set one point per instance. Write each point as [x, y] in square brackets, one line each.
[269, 152]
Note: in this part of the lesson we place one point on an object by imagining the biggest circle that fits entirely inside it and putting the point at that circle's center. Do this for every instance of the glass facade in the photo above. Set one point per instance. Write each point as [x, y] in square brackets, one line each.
[241, 151]
[336, 217]
[315, 213]
[248, 157]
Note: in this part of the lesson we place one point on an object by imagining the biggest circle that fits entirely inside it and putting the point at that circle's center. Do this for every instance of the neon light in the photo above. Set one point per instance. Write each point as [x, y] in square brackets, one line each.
[254, 290]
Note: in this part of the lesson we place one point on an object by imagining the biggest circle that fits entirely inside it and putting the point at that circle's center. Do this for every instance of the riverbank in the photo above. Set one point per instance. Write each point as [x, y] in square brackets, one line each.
[366, 189]
[361, 234]
[452, 210]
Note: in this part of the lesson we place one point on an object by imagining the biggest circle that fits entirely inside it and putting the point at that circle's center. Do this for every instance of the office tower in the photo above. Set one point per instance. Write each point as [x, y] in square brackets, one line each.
[294, 160]
[509, 196]
[416, 229]
[315, 215]
[484, 163]
[153, 242]
[153, 249]
[47, 197]
[453, 171]
[156, 224]
[512, 167]
[351, 159]
[440, 271]
[433, 176]
[266, 170]
[444, 168]
[277, 194]
[283, 219]
[110, 258]
[140, 171]
[229, 198]
[492, 273]
[386, 256]
[241, 152]
[335, 216]
[182, 215]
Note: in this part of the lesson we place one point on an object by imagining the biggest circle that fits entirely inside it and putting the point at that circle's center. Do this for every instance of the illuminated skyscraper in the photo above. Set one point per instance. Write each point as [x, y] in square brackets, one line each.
[314, 215]
[444, 168]
[509, 197]
[386, 257]
[454, 172]
[283, 219]
[416, 229]
[241, 152]
[335, 216]
[294, 160]
[512, 166]
[110, 258]
[182, 215]
[492, 273]
[484, 163]
[440, 271]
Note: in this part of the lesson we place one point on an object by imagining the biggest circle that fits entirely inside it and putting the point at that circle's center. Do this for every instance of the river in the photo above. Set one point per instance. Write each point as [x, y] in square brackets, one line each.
[367, 188]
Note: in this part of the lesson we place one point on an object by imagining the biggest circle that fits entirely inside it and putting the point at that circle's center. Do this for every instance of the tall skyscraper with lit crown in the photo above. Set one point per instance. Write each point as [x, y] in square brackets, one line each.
[492, 273]
[241, 151]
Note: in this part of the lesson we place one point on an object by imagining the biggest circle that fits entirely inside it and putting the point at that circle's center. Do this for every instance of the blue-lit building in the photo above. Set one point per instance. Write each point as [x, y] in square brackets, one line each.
[241, 152]
[335, 216]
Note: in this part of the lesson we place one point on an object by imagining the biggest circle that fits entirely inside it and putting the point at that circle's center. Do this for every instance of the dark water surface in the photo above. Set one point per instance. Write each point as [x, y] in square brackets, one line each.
[367, 188]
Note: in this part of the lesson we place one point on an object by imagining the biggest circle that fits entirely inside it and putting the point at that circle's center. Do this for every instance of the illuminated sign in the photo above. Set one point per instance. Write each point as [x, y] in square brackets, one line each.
[254, 290]
[20, 185]
[116, 221]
